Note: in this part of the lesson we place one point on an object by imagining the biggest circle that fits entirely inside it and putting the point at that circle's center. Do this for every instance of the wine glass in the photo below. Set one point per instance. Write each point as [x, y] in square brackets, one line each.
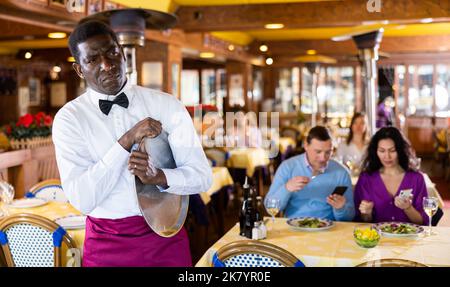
[273, 207]
[6, 195]
[430, 205]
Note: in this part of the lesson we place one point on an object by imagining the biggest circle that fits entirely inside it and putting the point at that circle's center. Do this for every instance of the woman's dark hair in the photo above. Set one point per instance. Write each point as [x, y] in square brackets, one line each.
[350, 135]
[86, 30]
[406, 156]
[319, 133]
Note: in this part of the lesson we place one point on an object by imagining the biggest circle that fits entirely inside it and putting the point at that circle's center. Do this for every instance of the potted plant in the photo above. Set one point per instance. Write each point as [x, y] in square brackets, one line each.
[30, 131]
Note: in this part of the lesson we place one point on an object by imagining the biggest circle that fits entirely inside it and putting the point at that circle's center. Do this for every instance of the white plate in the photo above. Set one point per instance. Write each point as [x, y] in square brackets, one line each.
[27, 202]
[293, 224]
[418, 229]
[72, 222]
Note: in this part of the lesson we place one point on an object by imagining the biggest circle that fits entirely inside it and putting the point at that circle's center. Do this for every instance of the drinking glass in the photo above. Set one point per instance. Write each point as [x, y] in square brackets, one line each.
[430, 205]
[273, 207]
[6, 195]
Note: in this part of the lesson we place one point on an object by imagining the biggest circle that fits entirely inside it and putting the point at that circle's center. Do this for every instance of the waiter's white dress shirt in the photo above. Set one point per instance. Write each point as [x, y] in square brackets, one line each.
[94, 167]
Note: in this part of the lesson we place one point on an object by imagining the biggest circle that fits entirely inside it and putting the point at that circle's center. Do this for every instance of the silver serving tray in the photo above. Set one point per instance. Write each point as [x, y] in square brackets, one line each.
[164, 212]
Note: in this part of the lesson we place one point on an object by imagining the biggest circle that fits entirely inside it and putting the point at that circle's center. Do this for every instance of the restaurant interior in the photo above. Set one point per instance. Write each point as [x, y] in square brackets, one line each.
[284, 65]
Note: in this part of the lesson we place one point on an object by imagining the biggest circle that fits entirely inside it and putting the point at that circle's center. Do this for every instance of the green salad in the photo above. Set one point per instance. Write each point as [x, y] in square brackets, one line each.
[396, 228]
[310, 223]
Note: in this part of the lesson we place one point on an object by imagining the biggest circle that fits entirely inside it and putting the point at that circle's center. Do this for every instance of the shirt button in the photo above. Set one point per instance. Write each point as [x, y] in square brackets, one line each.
[393, 217]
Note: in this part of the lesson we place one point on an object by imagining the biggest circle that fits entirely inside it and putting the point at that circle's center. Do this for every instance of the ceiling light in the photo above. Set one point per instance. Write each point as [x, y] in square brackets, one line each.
[71, 59]
[274, 26]
[207, 55]
[56, 69]
[57, 35]
[263, 48]
[231, 47]
[28, 55]
[426, 20]
[311, 52]
[269, 61]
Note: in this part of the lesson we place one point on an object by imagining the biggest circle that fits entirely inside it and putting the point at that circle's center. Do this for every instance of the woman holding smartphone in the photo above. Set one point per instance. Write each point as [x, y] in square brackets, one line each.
[386, 173]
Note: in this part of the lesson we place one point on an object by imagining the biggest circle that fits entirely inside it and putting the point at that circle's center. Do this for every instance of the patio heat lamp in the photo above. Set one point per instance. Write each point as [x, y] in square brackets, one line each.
[129, 26]
[368, 44]
[313, 63]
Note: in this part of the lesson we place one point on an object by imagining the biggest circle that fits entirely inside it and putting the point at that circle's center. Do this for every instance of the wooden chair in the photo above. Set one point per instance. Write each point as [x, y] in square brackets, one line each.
[391, 262]
[218, 155]
[251, 253]
[290, 132]
[50, 190]
[29, 240]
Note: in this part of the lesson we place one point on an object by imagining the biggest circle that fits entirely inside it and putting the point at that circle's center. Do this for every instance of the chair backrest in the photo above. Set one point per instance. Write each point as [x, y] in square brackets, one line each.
[219, 156]
[391, 262]
[30, 240]
[50, 190]
[290, 132]
[250, 253]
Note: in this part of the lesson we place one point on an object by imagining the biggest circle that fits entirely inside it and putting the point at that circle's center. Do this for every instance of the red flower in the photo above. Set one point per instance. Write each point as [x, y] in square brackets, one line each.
[48, 121]
[39, 117]
[8, 129]
[25, 120]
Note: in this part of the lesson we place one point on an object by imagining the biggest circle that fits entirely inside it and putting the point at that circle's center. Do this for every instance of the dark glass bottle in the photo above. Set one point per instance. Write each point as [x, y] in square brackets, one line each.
[244, 207]
[249, 218]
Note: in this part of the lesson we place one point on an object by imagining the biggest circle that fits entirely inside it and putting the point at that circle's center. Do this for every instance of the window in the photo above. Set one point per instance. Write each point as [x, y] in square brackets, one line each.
[190, 93]
[306, 100]
[442, 91]
[209, 87]
[337, 95]
[420, 94]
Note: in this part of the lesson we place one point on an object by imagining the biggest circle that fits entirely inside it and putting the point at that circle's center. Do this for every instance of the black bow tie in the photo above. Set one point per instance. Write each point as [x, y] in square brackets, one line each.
[105, 105]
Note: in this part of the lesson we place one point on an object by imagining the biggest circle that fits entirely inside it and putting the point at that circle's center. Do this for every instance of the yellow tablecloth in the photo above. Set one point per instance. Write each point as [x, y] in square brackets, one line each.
[336, 247]
[285, 142]
[221, 178]
[248, 158]
[54, 210]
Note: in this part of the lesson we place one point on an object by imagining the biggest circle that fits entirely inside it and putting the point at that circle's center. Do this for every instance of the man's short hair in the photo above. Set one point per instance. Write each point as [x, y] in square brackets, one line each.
[319, 133]
[86, 30]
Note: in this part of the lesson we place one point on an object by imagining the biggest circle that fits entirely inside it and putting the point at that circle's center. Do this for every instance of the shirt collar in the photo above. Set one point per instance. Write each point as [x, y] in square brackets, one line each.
[95, 96]
[309, 166]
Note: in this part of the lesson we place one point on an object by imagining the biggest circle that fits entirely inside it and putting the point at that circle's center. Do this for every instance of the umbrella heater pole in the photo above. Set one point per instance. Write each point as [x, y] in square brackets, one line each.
[369, 68]
[368, 44]
[314, 69]
[130, 55]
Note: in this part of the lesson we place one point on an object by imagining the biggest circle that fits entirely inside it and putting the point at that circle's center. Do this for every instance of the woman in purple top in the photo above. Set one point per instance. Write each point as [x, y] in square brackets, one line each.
[386, 172]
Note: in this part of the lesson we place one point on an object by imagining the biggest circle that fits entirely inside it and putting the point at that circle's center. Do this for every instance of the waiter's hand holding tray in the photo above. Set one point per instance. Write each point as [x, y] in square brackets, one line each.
[164, 212]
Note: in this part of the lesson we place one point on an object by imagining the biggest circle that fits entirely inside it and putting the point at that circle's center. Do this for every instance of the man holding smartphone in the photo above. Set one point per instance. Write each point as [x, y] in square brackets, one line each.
[305, 184]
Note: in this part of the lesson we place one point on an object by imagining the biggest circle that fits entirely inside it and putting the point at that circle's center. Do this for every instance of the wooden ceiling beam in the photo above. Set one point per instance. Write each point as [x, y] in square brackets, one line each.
[308, 15]
[415, 44]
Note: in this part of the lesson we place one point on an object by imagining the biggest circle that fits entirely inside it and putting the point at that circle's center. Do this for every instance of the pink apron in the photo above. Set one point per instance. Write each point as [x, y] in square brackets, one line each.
[130, 242]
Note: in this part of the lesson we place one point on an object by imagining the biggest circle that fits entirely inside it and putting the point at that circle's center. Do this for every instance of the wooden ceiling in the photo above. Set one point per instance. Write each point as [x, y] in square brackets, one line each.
[410, 25]
[309, 24]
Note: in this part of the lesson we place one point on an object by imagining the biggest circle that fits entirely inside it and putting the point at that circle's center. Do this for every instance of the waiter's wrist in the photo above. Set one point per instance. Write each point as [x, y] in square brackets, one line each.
[161, 179]
[126, 142]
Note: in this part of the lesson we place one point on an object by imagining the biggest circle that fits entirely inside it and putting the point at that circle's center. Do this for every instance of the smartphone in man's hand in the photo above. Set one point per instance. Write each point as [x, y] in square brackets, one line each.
[340, 190]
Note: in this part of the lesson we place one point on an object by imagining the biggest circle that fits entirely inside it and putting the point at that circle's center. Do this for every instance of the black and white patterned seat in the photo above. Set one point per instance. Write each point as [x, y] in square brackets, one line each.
[252, 253]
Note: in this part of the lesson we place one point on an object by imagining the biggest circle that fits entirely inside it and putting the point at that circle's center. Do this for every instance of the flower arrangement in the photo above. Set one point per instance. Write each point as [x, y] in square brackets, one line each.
[30, 131]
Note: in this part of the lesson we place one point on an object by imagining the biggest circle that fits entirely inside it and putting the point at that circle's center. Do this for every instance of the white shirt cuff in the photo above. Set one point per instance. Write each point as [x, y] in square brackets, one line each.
[175, 180]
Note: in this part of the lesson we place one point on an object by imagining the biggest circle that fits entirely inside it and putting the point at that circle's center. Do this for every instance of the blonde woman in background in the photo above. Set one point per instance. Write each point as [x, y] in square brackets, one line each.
[351, 151]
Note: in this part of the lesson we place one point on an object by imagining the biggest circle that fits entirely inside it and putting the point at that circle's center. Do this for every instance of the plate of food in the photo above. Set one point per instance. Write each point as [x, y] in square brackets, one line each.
[72, 221]
[27, 202]
[310, 223]
[398, 229]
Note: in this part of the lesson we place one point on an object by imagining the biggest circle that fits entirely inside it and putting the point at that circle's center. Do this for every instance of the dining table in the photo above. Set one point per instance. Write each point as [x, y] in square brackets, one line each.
[221, 178]
[336, 247]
